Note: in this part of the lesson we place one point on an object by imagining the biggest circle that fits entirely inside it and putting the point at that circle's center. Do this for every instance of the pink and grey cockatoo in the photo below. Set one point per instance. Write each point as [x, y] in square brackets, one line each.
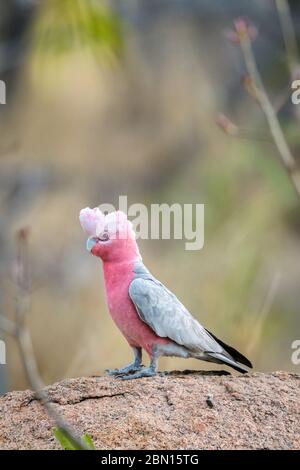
[147, 313]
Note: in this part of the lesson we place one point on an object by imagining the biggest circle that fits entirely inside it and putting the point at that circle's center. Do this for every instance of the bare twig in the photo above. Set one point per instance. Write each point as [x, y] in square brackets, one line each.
[288, 33]
[8, 326]
[19, 331]
[286, 156]
[282, 99]
[264, 312]
[231, 129]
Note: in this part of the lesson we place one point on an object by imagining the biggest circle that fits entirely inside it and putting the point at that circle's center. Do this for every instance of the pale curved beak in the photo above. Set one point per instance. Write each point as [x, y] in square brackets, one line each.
[91, 242]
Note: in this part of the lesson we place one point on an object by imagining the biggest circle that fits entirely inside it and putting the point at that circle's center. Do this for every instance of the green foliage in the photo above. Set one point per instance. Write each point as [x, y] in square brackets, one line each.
[67, 443]
[87, 440]
[66, 25]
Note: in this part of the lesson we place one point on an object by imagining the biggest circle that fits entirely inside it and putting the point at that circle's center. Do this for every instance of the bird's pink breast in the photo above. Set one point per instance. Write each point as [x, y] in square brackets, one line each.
[118, 277]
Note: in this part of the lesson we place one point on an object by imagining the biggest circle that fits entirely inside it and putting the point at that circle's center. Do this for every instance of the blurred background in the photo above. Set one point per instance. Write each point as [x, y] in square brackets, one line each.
[120, 98]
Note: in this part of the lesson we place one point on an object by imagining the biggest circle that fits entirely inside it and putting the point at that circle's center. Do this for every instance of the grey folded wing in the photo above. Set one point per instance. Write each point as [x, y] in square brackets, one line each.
[166, 315]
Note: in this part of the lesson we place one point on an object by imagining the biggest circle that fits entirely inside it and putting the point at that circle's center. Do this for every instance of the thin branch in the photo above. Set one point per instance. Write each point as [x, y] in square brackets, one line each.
[20, 332]
[288, 32]
[282, 99]
[265, 310]
[30, 367]
[286, 156]
[231, 129]
[7, 326]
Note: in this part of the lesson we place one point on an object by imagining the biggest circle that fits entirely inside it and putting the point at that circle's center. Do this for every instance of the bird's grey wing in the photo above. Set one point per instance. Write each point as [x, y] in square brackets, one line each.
[166, 315]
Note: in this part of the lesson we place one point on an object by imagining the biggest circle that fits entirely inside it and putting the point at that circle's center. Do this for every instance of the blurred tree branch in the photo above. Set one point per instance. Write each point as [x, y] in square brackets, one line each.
[263, 100]
[243, 35]
[20, 332]
[264, 312]
[288, 33]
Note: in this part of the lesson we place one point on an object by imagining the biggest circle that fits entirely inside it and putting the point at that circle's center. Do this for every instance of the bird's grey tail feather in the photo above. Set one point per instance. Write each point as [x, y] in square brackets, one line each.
[226, 360]
[236, 355]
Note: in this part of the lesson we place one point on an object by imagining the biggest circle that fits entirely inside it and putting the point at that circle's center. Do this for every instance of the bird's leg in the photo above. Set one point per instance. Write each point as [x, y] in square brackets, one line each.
[146, 371]
[134, 366]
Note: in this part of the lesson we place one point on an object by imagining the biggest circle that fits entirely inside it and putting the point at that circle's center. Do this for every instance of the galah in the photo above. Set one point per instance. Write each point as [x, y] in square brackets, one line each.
[150, 317]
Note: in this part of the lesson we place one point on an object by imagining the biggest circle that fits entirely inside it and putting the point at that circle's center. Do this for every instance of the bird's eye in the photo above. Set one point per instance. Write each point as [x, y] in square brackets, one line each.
[104, 237]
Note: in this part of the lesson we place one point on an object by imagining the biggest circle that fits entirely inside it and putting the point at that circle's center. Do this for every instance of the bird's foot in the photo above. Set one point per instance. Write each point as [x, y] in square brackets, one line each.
[133, 367]
[146, 372]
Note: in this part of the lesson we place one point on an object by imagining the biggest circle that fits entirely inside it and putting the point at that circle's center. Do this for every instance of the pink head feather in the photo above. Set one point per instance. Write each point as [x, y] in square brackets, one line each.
[90, 219]
[94, 223]
[117, 225]
[111, 236]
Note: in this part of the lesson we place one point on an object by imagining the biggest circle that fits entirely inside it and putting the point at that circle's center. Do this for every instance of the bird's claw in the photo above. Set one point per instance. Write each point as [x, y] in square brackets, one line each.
[146, 372]
[123, 371]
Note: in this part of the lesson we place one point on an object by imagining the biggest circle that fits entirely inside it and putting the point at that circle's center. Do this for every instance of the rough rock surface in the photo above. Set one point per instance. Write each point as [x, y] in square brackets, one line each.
[195, 410]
